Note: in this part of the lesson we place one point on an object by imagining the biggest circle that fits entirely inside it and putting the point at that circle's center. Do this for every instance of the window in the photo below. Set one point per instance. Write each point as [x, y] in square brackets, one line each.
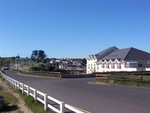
[88, 66]
[107, 66]
[119, 66]
[103, 65]
[132, 65]
[148, 64]
[127, 64]
[139, 66]
[113, 66]
[97, 66]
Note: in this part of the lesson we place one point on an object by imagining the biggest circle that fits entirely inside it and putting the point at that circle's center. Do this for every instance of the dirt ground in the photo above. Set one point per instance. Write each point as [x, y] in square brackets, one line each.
[21, 105]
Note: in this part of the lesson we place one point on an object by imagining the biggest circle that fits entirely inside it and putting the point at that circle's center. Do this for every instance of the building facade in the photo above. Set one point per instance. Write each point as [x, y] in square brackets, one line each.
[114, 59]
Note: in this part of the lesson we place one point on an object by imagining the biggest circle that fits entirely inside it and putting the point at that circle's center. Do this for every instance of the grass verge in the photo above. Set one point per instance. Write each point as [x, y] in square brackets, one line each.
[126, 80]
[130, 83]
[41, 73]
[10, 102]
[34, 105]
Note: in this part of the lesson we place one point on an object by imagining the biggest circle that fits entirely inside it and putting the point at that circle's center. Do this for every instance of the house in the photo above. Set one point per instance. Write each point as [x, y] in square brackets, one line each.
[114, 59]
[70, 65]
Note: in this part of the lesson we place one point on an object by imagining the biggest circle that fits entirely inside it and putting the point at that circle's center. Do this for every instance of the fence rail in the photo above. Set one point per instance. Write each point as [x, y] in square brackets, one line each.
[40, 96]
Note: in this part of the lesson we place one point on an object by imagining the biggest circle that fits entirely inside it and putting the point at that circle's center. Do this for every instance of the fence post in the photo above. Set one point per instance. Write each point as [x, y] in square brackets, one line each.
[12, 82]
[15, 84]
[62, 107]
[18, 85]
[22, 88]
[35, 94]
[28, 91]
[45, 102]
[9, 80]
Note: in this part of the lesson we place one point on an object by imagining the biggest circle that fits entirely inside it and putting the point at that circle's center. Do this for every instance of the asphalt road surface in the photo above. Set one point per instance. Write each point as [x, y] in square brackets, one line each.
[91, 97]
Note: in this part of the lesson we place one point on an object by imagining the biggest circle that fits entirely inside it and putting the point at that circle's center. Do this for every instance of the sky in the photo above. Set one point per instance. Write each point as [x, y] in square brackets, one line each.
[72, 28]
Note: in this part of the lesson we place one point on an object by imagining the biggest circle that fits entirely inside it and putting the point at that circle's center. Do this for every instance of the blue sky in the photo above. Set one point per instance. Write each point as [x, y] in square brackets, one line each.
[72, 28]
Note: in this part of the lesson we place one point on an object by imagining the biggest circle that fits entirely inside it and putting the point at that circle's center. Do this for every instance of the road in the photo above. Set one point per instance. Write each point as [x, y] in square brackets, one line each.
[95, 98]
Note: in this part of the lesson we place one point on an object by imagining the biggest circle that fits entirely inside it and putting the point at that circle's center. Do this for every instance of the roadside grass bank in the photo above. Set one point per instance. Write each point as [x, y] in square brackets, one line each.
[126, 80]
[42, 73]
[130, 83]
[9, 103]
[34, 105]
[54, 74]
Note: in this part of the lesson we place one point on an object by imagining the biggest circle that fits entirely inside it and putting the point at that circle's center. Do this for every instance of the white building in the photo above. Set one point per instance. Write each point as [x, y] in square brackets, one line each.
[114, 59]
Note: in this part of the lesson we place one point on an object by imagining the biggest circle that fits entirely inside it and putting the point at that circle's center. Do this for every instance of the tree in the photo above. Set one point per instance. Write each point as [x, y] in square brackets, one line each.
[46, 60]
[34, 55]
[17, 57]
[4, 62]
[38, 55]
[41, 55]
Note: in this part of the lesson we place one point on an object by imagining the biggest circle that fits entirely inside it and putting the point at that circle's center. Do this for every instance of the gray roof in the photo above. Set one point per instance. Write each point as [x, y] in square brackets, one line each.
[138, 55]
[117, 54]
[105, 52]
[127, 54]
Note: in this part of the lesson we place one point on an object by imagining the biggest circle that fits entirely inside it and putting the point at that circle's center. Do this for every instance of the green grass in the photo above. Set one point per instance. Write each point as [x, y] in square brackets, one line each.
[8, 97]
[34, 105]
[127, 80]
[1, 78]
[138, 84]
[41, 73]
[10, 102]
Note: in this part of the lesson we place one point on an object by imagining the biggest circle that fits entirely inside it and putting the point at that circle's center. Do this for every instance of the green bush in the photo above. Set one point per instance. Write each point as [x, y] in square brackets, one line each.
[42, 67]
[41, 73]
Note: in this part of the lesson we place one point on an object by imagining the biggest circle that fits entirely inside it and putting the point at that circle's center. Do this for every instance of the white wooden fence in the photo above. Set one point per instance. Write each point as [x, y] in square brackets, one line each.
[40, 96]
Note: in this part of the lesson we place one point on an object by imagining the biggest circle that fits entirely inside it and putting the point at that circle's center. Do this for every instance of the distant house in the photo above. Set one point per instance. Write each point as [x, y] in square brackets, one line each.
[114, 59]
[71, 66]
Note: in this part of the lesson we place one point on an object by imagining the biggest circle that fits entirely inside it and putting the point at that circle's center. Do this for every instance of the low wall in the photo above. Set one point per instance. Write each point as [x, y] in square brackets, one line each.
[78, 76]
